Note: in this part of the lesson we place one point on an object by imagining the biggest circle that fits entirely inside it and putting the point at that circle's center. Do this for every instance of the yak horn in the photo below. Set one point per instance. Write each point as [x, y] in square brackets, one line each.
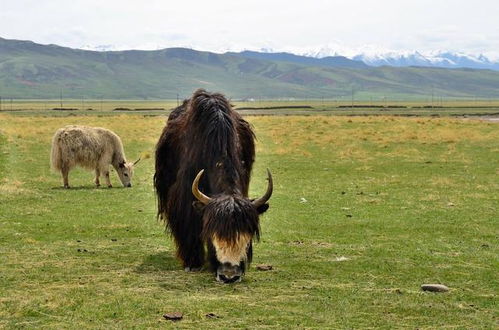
[195, 190]
[144, 155]
[270, 187]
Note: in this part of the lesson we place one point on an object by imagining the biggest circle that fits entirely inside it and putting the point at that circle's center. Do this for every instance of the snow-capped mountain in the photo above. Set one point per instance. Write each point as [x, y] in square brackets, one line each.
[114, 48]
[380, 57]
[100, 48]
[434, 59]
[370, 55]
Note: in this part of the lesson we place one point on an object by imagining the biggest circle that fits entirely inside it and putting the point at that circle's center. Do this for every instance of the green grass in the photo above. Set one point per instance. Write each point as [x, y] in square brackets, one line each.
[405, 200]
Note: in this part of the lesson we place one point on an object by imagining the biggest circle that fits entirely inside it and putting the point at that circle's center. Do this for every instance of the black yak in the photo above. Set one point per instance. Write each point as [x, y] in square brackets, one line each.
[203, 166]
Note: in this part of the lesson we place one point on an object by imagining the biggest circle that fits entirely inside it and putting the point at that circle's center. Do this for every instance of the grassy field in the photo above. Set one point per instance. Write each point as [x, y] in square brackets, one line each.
[365, 210]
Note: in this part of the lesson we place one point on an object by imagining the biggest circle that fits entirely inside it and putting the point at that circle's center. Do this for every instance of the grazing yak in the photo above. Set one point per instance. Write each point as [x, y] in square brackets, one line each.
[203, 165]
[93, 148]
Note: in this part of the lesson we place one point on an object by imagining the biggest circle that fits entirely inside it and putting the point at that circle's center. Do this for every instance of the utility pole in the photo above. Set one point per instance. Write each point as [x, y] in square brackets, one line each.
[352, 97]
[61, 98]
[432, 95]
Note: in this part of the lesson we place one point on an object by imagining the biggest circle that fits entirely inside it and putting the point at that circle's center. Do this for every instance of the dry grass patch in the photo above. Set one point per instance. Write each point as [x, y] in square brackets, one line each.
[356, 137]
[440, 181]
[12, 187]
[41, 129]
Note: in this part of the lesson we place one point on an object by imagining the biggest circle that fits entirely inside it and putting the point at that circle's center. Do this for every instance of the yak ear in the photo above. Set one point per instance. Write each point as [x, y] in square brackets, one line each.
[262, 208]
[198, 206]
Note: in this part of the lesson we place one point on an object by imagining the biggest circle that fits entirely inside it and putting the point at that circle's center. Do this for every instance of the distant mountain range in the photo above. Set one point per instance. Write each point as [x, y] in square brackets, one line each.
[369, 57]
[30, 70]
[327, 61]
[440, 59]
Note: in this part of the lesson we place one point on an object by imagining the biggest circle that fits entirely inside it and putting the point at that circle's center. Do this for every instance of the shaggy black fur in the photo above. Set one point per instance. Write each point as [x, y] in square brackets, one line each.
[206, 133]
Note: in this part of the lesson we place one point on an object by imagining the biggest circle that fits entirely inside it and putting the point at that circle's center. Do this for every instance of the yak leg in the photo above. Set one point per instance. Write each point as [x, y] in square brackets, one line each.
[103, 168]
[187, 234]
[108, 181]
[65, 176]
[97, 175]
[192, 256]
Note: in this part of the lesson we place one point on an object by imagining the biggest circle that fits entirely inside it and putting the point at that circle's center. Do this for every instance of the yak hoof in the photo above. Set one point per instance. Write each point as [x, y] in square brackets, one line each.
[97, 184]
[192, 269]
[110, 186]
[66, 186]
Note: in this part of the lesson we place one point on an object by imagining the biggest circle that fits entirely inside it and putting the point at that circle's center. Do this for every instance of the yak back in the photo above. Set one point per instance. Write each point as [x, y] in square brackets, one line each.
[85, 146]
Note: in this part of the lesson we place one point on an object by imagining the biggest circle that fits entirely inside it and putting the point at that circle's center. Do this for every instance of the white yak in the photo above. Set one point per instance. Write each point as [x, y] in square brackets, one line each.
[93, 148]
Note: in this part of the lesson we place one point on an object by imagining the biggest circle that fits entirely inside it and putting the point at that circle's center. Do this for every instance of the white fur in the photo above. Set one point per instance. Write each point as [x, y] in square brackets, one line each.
[91, 148]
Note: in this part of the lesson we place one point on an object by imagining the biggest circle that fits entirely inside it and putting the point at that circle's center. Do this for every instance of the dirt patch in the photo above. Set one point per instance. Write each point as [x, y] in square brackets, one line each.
[491, 119]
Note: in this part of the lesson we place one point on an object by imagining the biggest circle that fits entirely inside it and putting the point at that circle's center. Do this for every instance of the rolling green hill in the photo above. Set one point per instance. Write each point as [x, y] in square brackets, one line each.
[30, 70]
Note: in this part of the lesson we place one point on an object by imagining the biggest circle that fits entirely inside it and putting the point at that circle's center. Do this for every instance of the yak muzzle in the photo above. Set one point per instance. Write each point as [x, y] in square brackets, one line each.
[227, 273]
[129, 185]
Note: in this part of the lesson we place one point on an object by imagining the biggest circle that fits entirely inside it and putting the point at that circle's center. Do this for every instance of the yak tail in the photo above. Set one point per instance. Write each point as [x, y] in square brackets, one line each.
[55, 154]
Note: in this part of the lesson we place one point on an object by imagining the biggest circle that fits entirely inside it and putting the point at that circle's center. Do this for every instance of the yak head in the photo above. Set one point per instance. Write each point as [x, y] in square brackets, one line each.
[125, 172]
[230, 223]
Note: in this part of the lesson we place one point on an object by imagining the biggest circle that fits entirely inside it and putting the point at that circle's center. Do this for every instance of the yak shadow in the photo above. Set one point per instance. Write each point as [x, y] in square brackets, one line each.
[170, 275]
[159, 262]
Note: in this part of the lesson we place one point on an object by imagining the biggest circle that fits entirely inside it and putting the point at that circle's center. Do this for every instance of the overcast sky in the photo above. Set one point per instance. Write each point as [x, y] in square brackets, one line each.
[216, 25]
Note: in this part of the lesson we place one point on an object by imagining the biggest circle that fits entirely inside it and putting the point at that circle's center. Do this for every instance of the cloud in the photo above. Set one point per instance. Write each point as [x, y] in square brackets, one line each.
[223, 24]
